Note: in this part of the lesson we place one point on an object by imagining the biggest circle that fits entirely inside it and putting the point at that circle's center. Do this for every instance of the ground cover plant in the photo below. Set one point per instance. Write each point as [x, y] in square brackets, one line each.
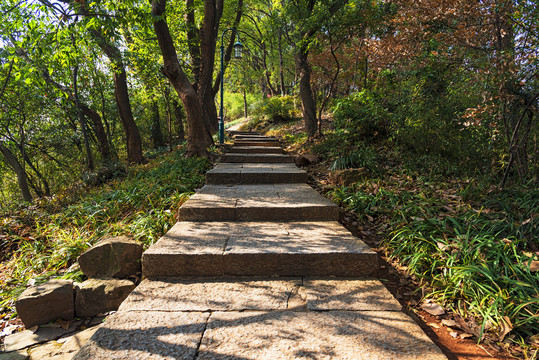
[44, 240]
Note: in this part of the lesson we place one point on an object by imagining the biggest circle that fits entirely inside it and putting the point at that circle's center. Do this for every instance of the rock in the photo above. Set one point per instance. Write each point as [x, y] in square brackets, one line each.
[347, 177]
[300, 160]
[75, 342]
[306, 159]
[95, 296]
[311, 158]
[48, 351]
[43, 334]
[46, 302]
[112, 257]
[14, 355]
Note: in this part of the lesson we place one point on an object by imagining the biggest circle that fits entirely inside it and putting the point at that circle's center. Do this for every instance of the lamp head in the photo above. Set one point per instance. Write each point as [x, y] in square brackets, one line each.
[238, 48]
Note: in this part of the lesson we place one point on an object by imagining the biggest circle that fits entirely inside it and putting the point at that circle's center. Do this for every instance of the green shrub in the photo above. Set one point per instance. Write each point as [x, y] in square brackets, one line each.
[276, 109]
[362, 117]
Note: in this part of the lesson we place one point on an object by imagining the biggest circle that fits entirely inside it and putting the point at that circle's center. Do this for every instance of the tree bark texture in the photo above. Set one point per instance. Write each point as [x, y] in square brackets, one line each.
[157, 134]
[197, 138]
[198, 98]
[22, 178]
[308, 104]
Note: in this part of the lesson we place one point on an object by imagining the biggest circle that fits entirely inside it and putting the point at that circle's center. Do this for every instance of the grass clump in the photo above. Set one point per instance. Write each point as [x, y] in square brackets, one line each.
[44, 240]
[477, 258]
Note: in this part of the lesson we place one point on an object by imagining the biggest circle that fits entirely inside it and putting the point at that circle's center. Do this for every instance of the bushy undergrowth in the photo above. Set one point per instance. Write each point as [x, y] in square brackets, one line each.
[46, 238]
[472, 257]
[271, 111]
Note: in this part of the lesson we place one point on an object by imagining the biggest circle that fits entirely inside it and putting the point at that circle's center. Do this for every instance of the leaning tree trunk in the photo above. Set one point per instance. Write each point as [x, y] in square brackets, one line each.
[178, 113]
[303, 69]
[197, 135]
[22, 178]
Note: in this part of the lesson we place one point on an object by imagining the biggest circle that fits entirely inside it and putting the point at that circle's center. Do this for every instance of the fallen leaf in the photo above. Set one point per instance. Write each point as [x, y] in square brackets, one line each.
[442, 246]
[465, 335]
[433, 309]
[506, 327]
[433, 325]
[450, 323]
[534, 340]
[370, 218]
[534, 266]
[454, 334]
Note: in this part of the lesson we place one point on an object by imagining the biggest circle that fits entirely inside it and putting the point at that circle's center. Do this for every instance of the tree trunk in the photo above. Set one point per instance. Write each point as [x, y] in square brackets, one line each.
[308, 104]
[178, 113]
[100, 133]
[22, 178]
[157, 135]
[89, 157]
[197, 138]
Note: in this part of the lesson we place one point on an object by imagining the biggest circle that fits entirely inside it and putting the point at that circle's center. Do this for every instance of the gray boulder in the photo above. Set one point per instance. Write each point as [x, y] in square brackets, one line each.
[95, 296]
[116, 257]
[46, 302]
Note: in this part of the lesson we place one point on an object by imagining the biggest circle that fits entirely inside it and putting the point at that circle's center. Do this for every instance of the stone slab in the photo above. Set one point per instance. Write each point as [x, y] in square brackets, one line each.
[43, 334]
[349, 294]
[257, 150]
[259, 249]
[14, 355]
[269, 202]
[315, 335]
[148, 335]
[230, 173]
[242, 143]
[211, 294]
[256, 158]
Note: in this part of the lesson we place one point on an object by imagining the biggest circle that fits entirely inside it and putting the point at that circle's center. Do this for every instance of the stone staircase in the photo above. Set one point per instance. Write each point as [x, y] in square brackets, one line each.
[259, 268]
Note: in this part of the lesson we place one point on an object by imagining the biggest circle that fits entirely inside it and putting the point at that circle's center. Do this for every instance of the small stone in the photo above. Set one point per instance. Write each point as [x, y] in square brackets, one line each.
[46, 302]
[433, 309]
[300, 160]
[95, 296]
[116, 257]
[311, 158]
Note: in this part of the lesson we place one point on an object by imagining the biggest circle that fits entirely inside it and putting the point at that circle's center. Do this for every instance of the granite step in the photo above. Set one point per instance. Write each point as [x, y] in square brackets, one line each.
[244, 143]
[229, 173]
[259, 249]
[257, 150]
[232, 157]
[260, 318]
[270, 202]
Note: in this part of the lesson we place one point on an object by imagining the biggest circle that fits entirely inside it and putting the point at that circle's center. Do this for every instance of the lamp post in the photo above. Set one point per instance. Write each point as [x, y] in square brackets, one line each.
[238, 47]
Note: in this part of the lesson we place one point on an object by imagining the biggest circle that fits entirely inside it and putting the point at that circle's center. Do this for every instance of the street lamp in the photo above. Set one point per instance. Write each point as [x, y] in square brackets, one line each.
[238, 47]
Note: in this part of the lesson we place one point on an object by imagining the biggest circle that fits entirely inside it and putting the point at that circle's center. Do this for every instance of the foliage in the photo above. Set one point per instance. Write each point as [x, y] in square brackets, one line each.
[46, 238]
[273, 110]
[361, 157]
[472, 257]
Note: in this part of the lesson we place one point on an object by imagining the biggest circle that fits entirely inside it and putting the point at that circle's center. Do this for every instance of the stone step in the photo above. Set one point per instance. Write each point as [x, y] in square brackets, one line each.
[257, 150]
[271, 202]
[259, 249]
[263, 319]
[256, 158]
[254, 137]
[229, 173]
[244, 143]
[237, 132]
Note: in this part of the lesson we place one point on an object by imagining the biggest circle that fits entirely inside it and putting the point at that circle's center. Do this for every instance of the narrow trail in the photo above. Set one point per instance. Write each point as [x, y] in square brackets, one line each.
[259, 268]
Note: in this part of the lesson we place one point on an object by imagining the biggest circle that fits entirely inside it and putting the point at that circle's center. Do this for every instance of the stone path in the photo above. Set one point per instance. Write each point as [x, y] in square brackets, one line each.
[259, 268]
